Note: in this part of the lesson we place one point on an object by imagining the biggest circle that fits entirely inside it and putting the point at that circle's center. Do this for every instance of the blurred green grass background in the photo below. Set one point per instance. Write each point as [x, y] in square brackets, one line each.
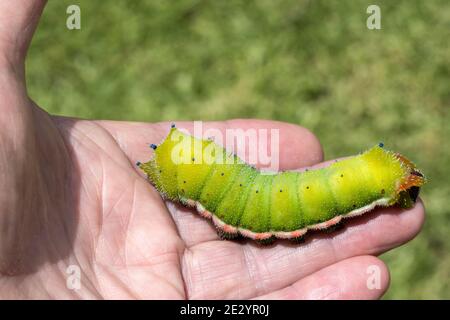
[313, 63]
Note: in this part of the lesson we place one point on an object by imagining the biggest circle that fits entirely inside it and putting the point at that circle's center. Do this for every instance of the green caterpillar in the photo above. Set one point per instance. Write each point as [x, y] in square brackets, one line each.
[242, 201]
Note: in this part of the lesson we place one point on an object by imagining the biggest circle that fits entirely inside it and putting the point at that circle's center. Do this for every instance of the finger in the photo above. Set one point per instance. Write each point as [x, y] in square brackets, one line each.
[362, 277]
[18, 21]
[250, 270]
[297, 146]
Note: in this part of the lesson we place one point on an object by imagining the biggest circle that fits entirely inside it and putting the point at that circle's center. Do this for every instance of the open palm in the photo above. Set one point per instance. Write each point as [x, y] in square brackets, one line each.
[73, 201]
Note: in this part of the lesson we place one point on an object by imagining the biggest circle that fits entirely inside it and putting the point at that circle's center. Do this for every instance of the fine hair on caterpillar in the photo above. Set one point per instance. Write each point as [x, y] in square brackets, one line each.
[244, 201]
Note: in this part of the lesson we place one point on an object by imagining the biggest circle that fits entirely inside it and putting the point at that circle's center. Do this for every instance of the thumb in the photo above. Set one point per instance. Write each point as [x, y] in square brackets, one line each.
[18, 21]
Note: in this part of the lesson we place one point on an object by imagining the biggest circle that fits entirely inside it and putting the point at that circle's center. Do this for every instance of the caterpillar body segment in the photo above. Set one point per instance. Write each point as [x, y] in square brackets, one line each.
[241, 200]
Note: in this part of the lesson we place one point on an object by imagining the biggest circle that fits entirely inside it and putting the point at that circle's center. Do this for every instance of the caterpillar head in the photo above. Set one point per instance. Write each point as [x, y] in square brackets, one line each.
[409, 188]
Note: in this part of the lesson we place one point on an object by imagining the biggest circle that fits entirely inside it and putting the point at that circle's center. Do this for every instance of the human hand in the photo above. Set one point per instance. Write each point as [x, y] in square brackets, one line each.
[72, 196]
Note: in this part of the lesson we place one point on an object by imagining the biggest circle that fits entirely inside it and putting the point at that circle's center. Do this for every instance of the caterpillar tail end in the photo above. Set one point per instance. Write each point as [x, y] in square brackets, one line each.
[409, 189]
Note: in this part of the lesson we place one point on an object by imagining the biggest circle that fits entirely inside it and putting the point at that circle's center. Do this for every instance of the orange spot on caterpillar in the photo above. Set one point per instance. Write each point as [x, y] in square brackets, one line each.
[412, 180]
